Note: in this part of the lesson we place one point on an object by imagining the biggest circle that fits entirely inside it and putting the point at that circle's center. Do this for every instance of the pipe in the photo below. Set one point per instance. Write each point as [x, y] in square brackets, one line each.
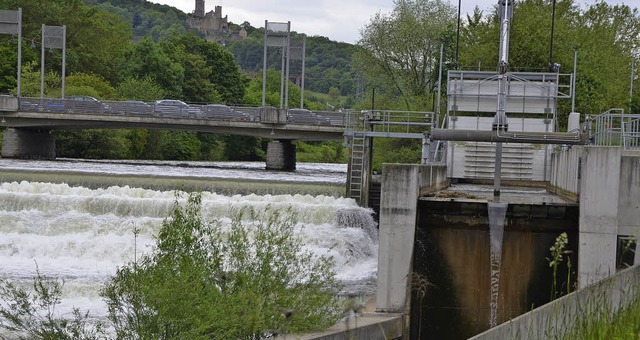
[509, 136]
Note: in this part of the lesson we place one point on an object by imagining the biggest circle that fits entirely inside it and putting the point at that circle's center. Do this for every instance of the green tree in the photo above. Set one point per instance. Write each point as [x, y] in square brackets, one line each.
[400, 51]
[139, 88]
[208, 282]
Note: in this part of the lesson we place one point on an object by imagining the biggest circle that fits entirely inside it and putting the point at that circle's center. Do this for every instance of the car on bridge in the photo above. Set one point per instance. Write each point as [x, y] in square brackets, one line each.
[304, 116]
[85, 104]
[174, 107]
[131, 107]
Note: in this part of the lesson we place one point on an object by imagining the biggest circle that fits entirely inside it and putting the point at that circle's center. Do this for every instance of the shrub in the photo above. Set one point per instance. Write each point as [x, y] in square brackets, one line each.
[203, 280]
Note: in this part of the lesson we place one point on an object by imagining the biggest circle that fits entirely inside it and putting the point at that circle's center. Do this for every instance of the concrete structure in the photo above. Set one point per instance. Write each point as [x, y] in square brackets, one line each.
[25, 143]
[402, 184]
[9, 103]
[29, 135]
[281, 155]
[557, 319]
[368, 326]
[606, 183]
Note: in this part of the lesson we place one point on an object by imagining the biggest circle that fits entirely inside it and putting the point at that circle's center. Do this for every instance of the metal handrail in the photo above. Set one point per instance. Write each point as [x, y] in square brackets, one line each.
[614, 127]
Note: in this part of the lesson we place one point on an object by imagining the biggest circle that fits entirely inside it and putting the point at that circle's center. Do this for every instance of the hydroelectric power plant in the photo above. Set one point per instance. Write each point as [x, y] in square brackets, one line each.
[463, 241]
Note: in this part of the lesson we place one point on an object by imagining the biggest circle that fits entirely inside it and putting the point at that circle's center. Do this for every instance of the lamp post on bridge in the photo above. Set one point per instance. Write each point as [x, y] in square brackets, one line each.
[53, 37]
[11, 23]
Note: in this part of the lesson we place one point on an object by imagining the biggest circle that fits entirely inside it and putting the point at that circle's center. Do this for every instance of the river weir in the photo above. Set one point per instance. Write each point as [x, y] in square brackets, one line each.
[83, 234]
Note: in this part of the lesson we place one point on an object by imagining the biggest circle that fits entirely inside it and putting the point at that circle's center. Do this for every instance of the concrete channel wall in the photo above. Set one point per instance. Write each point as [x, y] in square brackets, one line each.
[402, 184]
[605, 181]
[557, 319]
[565, 173]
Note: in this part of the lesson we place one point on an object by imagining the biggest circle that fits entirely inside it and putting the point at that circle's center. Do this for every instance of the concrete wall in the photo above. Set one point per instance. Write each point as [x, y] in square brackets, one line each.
[556, 319]
[9, 104]
[599, 196]
[629, 197]
[565, 171]
[30, 144]
[402, 184]
[281, 155]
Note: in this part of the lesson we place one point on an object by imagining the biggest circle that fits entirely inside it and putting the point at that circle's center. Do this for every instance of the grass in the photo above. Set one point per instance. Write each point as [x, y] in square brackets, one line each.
[624, 324]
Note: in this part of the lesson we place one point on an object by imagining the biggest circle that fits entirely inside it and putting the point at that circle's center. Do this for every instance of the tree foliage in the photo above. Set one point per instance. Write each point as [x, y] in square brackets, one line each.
[606, 37]
[400, 51]
[206, 281]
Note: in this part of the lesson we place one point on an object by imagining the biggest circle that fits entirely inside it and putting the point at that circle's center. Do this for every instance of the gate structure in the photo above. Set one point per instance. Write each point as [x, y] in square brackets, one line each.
[472, 102]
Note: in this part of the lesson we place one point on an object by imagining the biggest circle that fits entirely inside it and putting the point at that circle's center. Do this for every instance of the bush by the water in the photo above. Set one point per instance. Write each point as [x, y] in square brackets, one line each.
[240, 280]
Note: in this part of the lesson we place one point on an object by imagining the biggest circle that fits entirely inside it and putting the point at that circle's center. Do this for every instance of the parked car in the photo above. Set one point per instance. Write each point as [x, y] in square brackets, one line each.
[84, 104]
[130, 107]
[174, 107]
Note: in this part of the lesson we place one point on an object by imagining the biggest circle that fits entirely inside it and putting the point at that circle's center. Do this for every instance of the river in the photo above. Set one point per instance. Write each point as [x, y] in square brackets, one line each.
[75, 219]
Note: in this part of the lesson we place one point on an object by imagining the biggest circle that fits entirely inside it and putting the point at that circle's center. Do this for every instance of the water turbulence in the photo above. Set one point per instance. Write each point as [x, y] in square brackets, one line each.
[497, 213]
[83, 235]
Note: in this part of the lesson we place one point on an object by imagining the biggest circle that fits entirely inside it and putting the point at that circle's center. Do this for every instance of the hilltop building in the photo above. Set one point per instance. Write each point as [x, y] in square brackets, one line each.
[213, 26]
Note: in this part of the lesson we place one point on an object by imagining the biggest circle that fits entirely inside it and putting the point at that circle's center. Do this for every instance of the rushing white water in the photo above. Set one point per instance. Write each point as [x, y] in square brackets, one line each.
[82, 235]
[497, 213]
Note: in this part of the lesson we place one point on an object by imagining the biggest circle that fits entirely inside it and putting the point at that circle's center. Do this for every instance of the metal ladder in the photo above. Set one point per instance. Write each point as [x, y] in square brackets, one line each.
[356, 174]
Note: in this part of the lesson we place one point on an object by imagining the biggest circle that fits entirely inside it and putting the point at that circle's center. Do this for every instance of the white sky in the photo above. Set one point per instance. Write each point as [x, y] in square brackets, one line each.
[339, 20]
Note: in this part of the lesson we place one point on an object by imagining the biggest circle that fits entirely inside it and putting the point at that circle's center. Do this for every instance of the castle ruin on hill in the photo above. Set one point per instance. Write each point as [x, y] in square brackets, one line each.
[212, 25]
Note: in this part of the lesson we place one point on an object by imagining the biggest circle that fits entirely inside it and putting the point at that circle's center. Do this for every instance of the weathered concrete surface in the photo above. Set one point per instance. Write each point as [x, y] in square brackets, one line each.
[30, 144]
[402, 184]
[599, 197]
[270, 114]
[9, 104]
[557, 318]
[368, 326]
[629, 197]
[281, 155]
[565, 168]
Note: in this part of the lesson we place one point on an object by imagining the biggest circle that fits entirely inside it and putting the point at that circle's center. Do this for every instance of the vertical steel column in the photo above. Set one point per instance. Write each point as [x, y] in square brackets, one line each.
[304, 46]
[286, 78]
[19, 49]
[42, 63]
[64, 56]
[264, 66]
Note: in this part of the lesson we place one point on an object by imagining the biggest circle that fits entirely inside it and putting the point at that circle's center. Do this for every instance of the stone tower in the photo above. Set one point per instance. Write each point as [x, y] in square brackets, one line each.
[199, 12]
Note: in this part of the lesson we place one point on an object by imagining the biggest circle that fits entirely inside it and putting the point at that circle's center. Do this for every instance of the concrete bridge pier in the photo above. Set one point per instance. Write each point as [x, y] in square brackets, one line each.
[28, 143]
[281, 155]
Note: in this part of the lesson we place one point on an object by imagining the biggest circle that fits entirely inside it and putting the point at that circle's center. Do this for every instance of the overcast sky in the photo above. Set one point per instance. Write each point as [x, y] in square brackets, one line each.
[339, 20]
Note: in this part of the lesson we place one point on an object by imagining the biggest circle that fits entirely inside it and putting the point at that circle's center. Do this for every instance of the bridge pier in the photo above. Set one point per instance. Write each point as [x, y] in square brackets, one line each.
[281, 155]
[27, 143]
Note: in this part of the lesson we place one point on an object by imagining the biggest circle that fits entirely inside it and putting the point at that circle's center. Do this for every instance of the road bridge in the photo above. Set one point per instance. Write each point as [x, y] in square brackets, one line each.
[29, 123]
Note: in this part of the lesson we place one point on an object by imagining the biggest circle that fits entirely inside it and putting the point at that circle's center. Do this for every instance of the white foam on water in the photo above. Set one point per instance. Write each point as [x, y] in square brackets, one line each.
[82, 235]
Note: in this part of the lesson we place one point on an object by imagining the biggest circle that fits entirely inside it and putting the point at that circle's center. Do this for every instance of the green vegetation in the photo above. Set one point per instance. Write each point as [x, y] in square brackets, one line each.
[202, 281]
[134, 49]
[601, 325]
[29, 314]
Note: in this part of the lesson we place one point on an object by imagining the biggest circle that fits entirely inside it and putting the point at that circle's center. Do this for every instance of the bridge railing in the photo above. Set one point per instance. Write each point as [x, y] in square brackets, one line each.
[614, 128]
[401, 124]
[169, 108]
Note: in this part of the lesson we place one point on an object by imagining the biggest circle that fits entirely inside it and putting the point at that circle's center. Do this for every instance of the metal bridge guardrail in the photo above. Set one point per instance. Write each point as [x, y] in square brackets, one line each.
[614, 128]
[167, 108]
[387, 123]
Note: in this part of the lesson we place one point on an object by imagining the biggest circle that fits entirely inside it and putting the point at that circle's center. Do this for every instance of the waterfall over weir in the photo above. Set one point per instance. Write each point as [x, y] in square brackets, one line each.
[497, 213]
[82, 235]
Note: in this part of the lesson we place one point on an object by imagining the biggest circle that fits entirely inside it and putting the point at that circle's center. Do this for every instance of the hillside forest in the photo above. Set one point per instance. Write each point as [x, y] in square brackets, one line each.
[134, 49]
